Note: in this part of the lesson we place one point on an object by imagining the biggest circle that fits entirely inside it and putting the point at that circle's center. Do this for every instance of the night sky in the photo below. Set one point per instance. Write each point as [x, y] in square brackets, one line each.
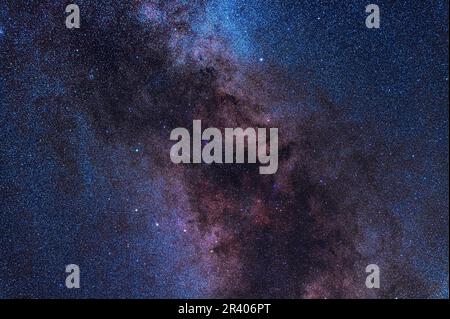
[86, 177]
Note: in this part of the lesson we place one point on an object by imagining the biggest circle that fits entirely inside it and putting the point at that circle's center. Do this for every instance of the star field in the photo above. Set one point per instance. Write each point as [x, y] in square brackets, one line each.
[86, 176]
